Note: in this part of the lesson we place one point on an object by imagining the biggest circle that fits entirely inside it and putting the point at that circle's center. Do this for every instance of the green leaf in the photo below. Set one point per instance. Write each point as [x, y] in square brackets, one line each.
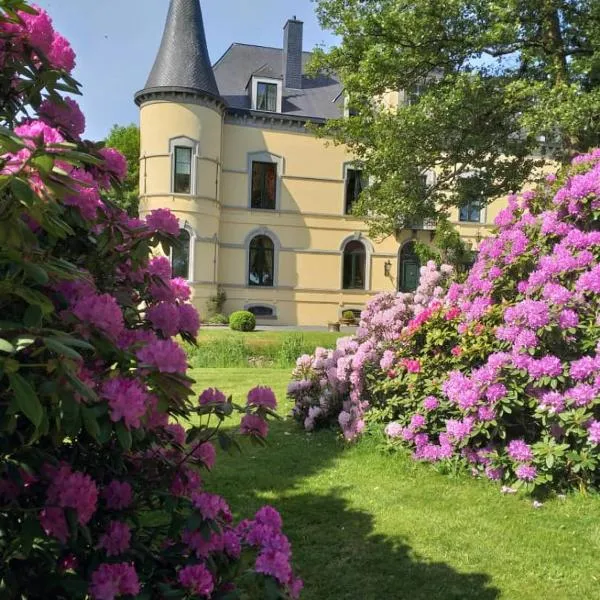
[37, 273]
[74, 342]
[90, 423]
[124, 436]
[35, 298]
[44, 163]
[58, 347]
[71, 416]
[33, 317]
[27, 399]
[80, 387]
[6, 346]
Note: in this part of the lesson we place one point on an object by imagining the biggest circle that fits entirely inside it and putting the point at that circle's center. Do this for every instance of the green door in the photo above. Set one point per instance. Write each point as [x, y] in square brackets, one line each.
[409, 271]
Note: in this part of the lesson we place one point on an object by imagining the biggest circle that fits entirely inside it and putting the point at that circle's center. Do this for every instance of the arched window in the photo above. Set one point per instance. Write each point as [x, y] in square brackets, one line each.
[261, 263]
[179, 255]
[355, 266]
[408, 268]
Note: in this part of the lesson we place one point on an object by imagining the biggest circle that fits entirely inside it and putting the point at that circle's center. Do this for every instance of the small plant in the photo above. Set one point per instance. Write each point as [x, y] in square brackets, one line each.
[216, 303]
[218, 319]
[242, 320]
[348, 317]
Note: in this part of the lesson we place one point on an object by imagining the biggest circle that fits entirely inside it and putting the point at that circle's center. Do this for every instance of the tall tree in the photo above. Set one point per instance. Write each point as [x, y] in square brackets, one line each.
[492, 89]
[126, 139]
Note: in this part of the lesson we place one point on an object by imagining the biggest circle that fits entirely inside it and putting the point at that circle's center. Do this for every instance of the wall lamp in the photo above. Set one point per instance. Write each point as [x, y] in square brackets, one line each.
[387, 268]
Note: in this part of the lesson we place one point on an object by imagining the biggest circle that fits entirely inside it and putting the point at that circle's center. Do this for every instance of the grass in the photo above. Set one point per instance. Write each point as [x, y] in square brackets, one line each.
[223, 348]
[368, 526]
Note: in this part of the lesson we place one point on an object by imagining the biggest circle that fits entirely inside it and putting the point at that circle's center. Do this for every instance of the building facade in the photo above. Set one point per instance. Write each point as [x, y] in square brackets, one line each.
[264, 205]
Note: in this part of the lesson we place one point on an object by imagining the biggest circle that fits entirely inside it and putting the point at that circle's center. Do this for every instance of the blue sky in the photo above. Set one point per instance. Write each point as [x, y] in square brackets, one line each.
[116, 42]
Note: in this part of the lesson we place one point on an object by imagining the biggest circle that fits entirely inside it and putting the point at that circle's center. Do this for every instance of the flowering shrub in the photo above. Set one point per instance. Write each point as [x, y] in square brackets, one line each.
[101, 492]
[330, 385]
[510, 362]
[502, 373]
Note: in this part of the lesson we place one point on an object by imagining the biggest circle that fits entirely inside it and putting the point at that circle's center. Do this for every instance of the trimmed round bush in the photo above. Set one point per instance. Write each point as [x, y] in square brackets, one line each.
[218, 319]
[242, 320]
[348, 315]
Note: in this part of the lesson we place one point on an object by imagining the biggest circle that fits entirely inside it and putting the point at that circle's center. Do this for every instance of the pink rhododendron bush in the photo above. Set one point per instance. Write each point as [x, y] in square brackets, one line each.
[101, 491]
[500, 374]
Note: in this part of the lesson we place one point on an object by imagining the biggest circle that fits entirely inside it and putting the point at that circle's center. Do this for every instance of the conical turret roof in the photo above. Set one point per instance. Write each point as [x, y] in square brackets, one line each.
[182, 63]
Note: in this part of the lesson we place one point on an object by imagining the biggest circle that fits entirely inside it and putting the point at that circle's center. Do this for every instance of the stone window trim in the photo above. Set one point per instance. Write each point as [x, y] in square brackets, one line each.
[276, 251]
[369, 251]
[269, 80]
[266, 157]
[271, 307]
[184, 142]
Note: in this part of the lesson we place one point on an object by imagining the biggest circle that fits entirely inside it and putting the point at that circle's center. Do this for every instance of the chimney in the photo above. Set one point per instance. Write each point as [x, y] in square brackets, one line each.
[292, 54]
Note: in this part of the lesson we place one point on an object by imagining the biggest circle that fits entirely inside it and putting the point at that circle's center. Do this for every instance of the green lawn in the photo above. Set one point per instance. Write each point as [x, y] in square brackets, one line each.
[225, 348]
[369, 526]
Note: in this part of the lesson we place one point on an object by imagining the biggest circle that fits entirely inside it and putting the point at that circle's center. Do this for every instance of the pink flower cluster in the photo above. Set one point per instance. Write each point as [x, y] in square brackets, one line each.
[112, 580]
[68, 489]
[264, 532]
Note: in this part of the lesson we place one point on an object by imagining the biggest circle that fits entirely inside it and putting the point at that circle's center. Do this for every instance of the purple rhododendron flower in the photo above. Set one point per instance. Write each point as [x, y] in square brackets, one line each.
[520, 451]
[262, 396]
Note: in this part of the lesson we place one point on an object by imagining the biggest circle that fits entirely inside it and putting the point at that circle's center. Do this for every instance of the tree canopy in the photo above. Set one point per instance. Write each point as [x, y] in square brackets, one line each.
[126, 139]
[489, 89]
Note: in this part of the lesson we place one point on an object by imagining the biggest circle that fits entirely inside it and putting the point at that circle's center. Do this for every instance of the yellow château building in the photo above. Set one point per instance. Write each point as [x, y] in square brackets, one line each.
[263, 204]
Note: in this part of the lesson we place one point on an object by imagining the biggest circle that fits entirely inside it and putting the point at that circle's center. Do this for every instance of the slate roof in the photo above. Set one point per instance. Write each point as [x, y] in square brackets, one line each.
[183, 62]
[319, 98]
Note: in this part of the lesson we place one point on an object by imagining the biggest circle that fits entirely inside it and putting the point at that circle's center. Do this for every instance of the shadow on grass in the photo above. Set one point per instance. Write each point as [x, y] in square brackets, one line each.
[341, 558]
[337, 550]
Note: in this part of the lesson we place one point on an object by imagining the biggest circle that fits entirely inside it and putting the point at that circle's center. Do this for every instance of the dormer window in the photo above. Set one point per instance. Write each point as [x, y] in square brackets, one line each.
[266, 94]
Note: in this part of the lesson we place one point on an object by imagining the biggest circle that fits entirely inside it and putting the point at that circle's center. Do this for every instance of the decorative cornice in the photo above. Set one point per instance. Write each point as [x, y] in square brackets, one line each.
[180, 95]
[265, 120]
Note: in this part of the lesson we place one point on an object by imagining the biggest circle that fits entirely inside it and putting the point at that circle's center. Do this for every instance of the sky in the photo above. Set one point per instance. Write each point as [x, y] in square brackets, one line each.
[116, 42]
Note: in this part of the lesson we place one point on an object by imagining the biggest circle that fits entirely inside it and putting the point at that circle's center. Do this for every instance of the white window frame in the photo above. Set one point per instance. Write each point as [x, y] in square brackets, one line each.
[369, 250]
[184, 225]
[351, 166]
[276, 250]
[483, 210]
[266, 157]
[184, 142]
[277, 82]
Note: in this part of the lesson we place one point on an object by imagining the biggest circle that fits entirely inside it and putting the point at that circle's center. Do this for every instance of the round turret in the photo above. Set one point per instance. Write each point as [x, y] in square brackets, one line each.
[181, 122]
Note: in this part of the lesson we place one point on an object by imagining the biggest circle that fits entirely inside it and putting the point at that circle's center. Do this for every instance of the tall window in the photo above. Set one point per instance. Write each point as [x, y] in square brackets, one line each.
[355, 184]
[179, 255]
[470, 212]
[409, 268]
[414, 93]
[266, 96]
[261, 263]
[182, 177]
[355, 263]
[264, 185]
